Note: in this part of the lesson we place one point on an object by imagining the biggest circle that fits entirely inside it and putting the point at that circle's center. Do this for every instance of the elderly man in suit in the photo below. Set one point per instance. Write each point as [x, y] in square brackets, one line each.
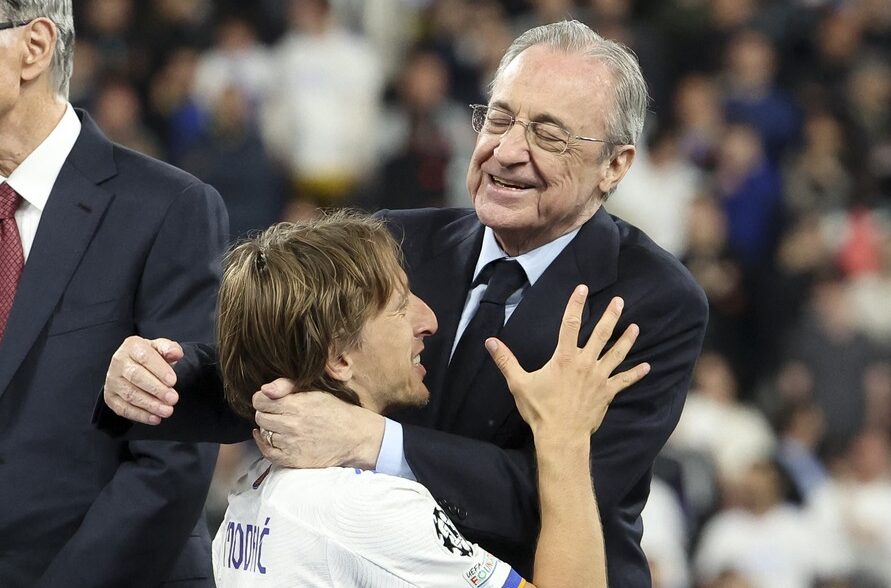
[96, 243]
[556, 137]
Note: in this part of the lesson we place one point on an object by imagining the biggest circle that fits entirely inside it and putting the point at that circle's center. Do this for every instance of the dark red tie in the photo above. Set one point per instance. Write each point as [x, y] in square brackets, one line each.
[12, 258]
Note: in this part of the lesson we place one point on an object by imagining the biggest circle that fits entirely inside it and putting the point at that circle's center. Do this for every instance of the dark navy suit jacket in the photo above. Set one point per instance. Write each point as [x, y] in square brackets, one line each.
[473, 451]
[126, 245]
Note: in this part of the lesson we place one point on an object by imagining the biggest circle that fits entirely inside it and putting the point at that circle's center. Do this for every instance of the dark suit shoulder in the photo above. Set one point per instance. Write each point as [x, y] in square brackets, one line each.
[141, 180]
[657, 277]
[423, 221]
[423, 231]
[164, 181]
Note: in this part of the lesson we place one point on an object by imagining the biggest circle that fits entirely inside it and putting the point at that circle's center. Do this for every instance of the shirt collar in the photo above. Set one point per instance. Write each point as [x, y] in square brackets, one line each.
[34, 178]
[534, 262]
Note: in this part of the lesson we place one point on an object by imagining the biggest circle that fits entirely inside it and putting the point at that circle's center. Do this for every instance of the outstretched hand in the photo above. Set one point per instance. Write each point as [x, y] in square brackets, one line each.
[570, 394]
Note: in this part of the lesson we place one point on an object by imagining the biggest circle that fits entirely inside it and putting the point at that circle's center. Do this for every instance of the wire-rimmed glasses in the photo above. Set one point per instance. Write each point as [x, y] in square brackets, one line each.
[549, 136]
[13, 24]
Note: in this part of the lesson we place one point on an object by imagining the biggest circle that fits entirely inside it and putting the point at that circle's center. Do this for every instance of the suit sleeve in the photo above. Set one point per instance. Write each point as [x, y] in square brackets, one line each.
[139, 523]
[492, 492]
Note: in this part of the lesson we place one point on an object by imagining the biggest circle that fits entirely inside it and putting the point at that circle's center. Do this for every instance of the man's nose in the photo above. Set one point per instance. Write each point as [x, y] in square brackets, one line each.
[513, 146]
[423, 319]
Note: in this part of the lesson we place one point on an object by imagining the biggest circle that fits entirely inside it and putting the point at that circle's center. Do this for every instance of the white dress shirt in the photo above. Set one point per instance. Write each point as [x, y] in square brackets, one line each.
[34, 178]
[391, 459]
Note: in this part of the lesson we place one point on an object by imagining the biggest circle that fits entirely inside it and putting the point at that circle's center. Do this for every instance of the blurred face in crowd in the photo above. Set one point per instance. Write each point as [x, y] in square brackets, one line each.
[761, 488]
[870, 456]
[530, 196]
[424, 83]
[110, 17]
[751, 61]
[386, 367]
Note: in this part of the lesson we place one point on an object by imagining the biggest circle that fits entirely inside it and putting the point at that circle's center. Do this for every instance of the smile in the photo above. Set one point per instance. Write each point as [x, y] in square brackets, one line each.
[508, 184]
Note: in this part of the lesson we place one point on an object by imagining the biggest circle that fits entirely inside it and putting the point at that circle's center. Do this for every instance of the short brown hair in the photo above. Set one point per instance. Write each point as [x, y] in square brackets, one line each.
[296, 292]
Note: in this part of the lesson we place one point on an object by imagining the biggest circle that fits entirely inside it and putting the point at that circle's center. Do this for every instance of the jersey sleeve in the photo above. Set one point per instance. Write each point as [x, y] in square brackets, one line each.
[396, 525]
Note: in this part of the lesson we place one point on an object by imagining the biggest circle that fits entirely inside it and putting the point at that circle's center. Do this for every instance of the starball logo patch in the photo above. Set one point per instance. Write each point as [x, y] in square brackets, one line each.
[449, 537]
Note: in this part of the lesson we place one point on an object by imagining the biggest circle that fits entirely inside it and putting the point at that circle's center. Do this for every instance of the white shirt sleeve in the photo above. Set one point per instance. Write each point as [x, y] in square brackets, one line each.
[397, 526]
[391, 458]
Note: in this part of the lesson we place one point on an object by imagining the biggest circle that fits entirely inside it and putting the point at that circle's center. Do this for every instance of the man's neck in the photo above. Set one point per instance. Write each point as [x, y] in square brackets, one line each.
[517, 243]
[25, 127]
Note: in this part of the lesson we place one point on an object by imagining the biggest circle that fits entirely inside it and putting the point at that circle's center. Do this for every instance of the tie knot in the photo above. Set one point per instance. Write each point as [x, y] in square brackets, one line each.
[507, 276]
[9, 201]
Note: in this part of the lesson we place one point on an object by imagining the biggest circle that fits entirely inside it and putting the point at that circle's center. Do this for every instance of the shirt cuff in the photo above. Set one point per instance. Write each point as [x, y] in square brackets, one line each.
[391, 459]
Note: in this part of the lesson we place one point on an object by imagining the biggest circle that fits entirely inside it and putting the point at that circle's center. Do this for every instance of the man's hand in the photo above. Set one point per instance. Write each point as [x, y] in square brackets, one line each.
[564, 402]
[140, 379]
[569, 395]
[315, 429]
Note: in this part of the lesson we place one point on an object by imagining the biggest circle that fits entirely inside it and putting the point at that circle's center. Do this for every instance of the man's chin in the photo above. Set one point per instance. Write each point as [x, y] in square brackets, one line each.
[417, 400]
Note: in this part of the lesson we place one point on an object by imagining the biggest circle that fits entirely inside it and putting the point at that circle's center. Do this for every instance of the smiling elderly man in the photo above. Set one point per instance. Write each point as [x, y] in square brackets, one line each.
[556, 137]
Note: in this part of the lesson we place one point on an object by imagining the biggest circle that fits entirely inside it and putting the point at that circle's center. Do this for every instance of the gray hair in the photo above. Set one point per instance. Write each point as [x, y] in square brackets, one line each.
[625, 123]
[60, 12]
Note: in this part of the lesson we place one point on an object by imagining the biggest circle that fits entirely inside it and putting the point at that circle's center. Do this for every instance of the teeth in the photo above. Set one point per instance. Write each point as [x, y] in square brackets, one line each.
[416, 359]
[501, 182]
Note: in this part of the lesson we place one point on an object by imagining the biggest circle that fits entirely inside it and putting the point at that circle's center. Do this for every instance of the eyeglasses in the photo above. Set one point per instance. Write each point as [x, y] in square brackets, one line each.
[550, 137]
[14, 24]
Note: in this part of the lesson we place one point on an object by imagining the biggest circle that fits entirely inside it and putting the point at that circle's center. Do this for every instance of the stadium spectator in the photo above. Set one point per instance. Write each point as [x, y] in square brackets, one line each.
[323, 110]
[657, 193]
[763, 537]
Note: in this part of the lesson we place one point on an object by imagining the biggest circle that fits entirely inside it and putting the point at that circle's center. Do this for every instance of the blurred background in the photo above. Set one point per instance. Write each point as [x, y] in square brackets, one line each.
[765, 168]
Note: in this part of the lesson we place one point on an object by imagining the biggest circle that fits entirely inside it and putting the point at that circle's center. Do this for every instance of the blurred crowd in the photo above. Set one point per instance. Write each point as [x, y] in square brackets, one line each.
[765, 168]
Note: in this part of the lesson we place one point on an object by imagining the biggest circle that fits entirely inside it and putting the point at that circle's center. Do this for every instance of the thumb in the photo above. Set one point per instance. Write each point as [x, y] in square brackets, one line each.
[505, 360]
[171, 351]
[278, 388]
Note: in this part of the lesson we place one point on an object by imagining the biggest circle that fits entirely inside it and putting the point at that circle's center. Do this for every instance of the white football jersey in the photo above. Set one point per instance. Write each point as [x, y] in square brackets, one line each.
[342, 527]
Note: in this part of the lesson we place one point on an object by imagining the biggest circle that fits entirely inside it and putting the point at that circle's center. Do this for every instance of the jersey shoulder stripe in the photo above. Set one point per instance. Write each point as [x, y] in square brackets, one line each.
[514, 580]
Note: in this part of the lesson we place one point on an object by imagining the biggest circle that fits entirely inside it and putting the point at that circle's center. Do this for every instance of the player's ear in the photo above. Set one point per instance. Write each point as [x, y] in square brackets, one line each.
[339, 365]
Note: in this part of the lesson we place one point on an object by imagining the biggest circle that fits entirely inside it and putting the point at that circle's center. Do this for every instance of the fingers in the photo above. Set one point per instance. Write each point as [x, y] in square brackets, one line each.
[138, 378]
[619, 351]
[143, 353]
[278, 388]
[125, 394]
[603, 330]
[623, 380]
[505, 360]
[131, 412]
[171, 351]
[262, 403]
[568, 339]
[137, 385]
[276, 423]
[273, 454]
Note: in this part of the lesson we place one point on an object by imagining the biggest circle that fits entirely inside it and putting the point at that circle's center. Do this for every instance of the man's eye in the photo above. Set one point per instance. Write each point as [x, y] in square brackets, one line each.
[549, 133]
[499, 122]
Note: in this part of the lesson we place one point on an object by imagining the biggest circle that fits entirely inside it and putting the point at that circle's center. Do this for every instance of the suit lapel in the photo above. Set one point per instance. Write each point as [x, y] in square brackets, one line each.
[71, 217]
[589, 259]
[532, 330]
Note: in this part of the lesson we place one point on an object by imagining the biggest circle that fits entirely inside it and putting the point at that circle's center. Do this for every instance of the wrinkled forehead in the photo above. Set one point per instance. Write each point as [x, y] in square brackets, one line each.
[545, 83]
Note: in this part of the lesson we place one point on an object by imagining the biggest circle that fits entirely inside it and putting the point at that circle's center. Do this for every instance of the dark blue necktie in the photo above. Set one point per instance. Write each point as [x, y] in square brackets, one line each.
[504, 278]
